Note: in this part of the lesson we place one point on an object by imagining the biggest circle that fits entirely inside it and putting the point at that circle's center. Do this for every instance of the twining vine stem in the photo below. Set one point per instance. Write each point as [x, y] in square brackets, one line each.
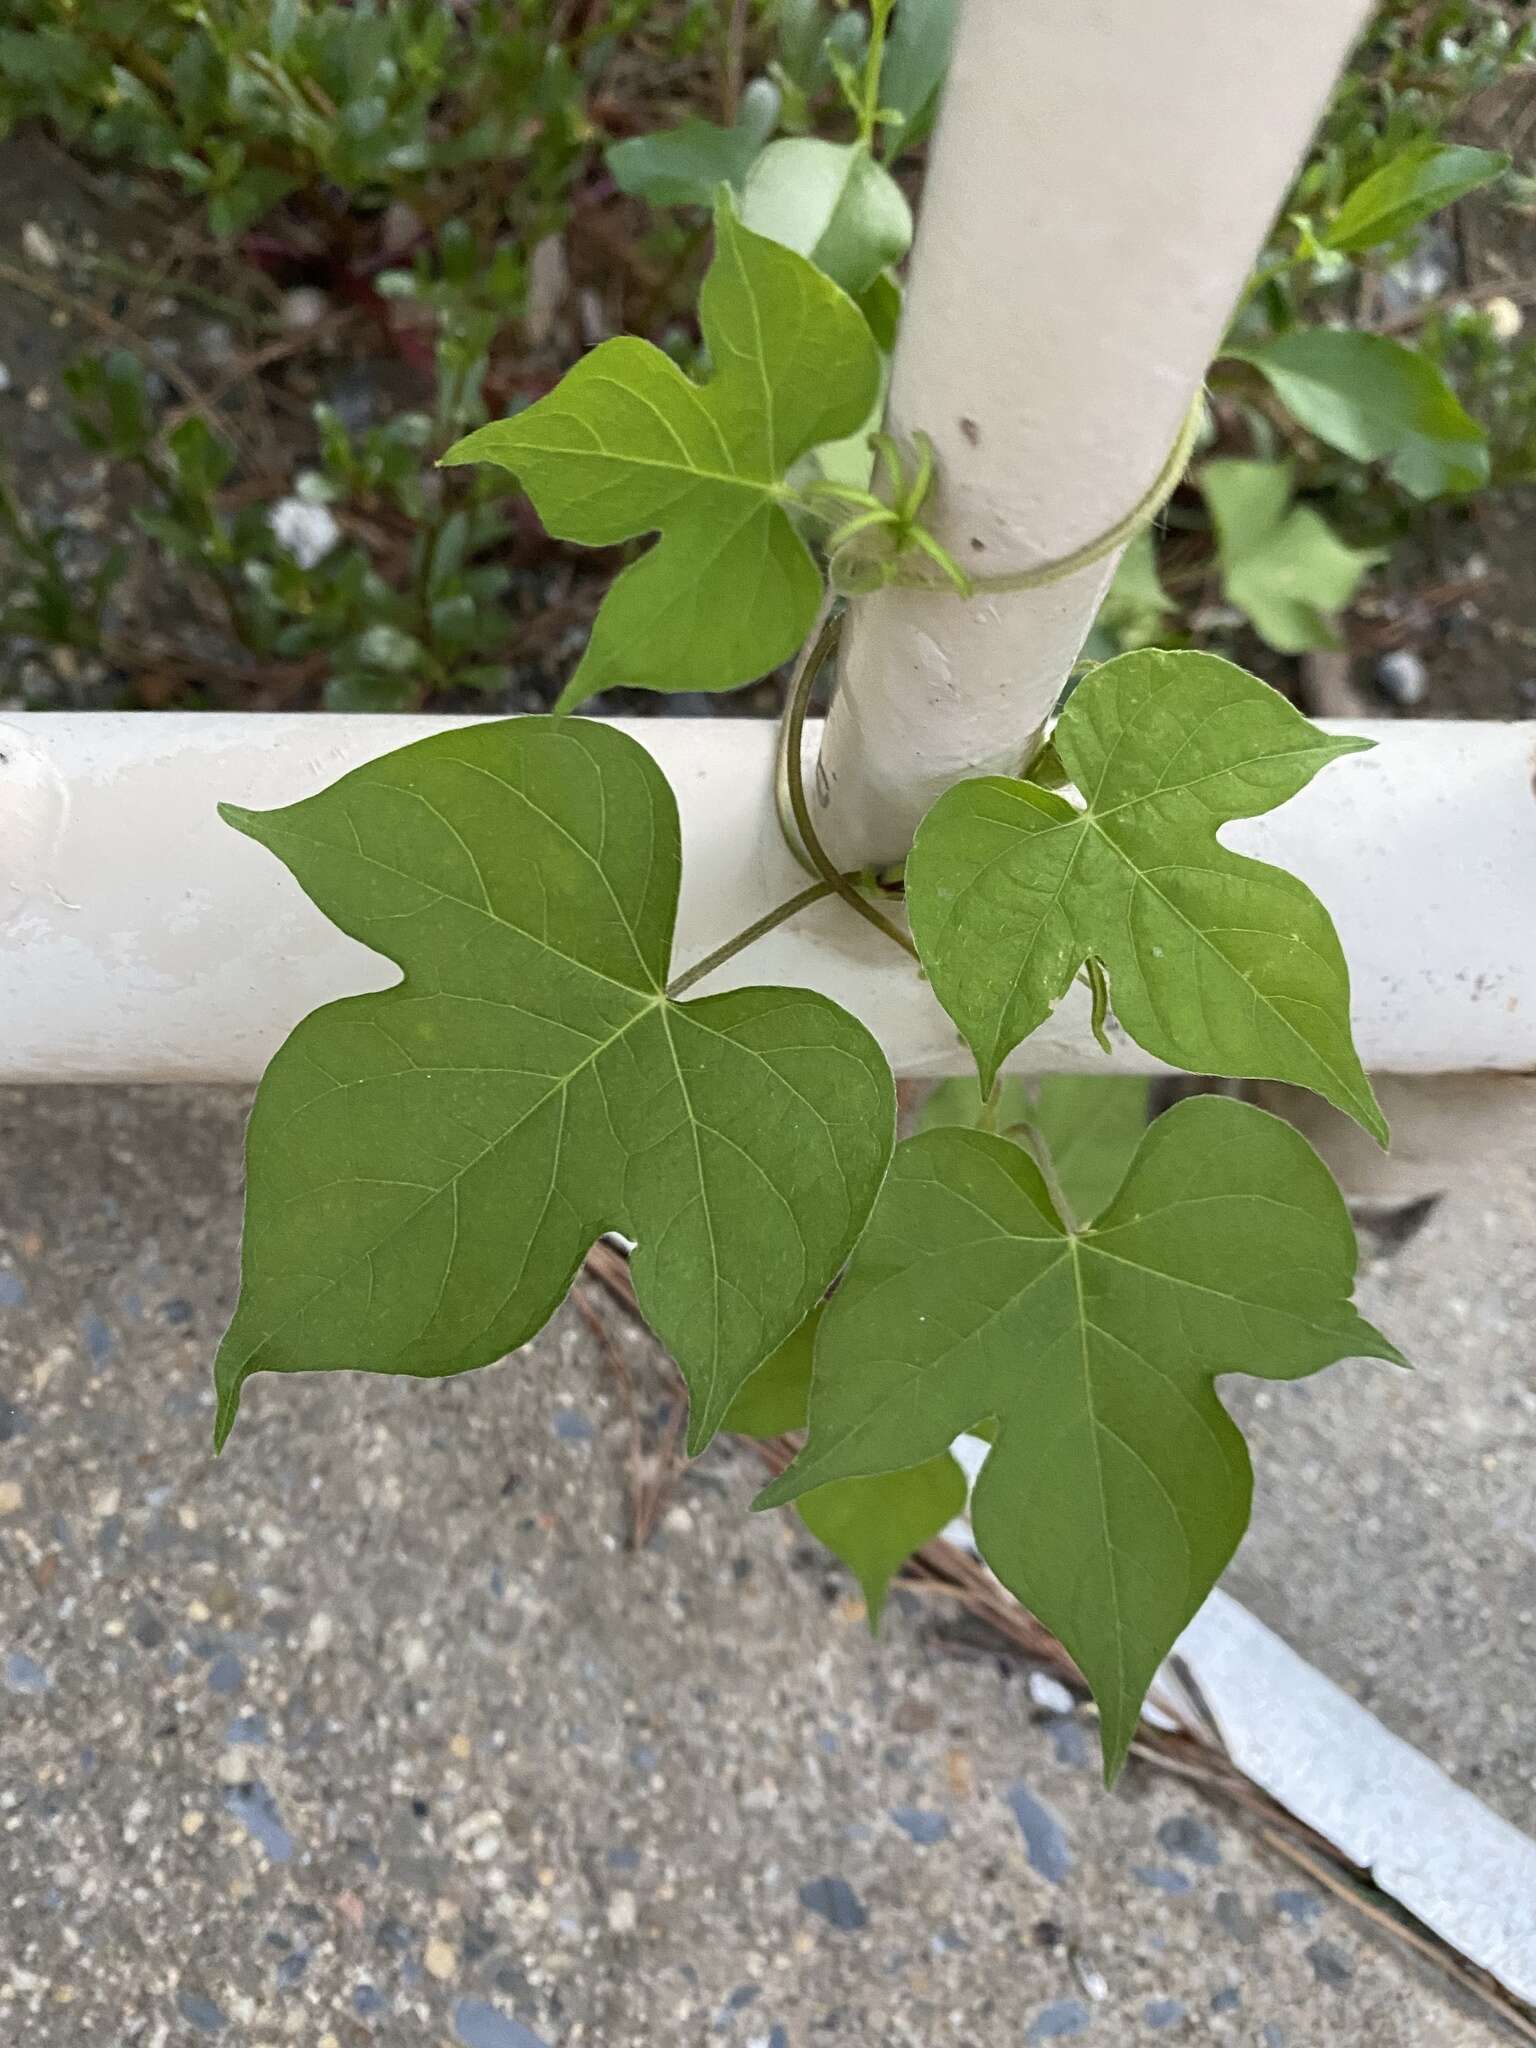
[794, 809]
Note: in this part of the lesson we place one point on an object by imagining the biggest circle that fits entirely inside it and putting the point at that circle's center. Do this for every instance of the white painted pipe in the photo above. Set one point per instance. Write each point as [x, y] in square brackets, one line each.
[1102, 177]
[143, 940]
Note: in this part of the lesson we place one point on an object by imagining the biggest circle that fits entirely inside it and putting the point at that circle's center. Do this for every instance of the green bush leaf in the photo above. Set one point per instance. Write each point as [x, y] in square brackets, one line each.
[1281, 564]
[1425, 177]
[686, 166]
[1376, 400]
[1118, 1487]
[873, 1525]
[831, 203]
[1216, 962]
[1136, 609]
[916, 59]
[626, 444]
[1090, 1124]
[881, 307]
[429, 1166]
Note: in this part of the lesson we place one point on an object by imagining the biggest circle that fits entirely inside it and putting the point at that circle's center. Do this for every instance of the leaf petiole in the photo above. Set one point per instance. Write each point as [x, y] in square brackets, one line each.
[1098, 981]
[769, 921]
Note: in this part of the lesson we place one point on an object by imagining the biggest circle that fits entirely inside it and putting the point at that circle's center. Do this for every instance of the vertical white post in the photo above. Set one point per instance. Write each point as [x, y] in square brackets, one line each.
[1103, 174]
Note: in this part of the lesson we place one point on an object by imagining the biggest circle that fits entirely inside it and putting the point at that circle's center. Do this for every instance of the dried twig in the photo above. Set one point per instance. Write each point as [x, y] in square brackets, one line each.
[735, 62]
[651, 1478]
[1522, 290]
[275, 351]
[197, 399]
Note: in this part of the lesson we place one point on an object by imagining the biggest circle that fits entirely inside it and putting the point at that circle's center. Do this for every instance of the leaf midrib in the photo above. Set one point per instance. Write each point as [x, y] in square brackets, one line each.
[559, 1084]
[1270, 1006]
[1083, 1326]
[769, 488]
[488, 911]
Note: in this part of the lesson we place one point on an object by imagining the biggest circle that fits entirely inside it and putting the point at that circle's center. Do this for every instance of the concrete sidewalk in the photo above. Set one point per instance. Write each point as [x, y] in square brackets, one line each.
[374, 1731]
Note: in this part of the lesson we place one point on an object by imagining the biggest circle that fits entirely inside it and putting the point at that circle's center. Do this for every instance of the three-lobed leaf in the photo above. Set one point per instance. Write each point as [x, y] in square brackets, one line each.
[1424, 177]
[1118, 1487]
[626, 444]
[427, 1167]
[1281, 563]
[873, 1525]
[1217, 963]
[1378, 401]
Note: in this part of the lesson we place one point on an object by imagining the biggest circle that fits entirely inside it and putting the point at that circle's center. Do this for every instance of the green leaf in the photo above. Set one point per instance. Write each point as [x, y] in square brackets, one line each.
[832, 203]
[429, 1166]
[1281, 564]
[1216, 962]
[1378, 401]
[881, 307]
[626, 444]
[961, 1102]
[802, 29]
[1425, 177]
[1118, 1487]
[775, 1399]
[873, 1525]
[1089, 1124]
[916, 59]
[1135, 609]
[686, 166]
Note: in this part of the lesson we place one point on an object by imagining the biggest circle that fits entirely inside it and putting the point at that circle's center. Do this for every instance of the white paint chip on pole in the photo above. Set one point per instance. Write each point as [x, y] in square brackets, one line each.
[1099, 186]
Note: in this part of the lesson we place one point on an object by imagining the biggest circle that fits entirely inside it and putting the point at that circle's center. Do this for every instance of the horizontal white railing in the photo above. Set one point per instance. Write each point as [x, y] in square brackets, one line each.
[142, 939]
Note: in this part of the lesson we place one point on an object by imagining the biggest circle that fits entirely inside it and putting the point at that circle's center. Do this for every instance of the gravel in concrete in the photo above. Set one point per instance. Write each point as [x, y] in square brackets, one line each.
[1394, 1533]
[375, 1732]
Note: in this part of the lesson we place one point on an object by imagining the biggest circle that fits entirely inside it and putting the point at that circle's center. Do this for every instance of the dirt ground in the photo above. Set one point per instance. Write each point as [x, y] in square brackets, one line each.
[132, 268]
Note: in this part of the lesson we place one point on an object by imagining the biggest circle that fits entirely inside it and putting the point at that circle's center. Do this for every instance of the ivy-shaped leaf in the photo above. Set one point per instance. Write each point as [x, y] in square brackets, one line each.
[626, 445]
[1282, 564]
[873, 1525]
[1378, 401]
[1216, 963]
[1118, 1487]
[429, 1166]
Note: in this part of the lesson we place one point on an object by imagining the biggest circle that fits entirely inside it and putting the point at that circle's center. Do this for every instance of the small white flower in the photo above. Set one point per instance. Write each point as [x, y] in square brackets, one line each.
[308, 532]
[303, 307]
[39, 246]
[1504, 317]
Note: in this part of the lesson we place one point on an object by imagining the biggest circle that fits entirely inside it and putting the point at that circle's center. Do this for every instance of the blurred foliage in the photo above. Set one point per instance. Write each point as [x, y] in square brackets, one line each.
[469, 175]
[1358, 384]
[327, 102]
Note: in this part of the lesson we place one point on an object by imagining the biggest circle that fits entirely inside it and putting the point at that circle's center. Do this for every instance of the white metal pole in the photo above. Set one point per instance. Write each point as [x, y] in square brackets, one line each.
[143, 940]
[1103, 174]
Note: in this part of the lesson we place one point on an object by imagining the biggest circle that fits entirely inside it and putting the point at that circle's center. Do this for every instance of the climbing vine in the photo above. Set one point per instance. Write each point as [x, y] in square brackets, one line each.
[429, 1165]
